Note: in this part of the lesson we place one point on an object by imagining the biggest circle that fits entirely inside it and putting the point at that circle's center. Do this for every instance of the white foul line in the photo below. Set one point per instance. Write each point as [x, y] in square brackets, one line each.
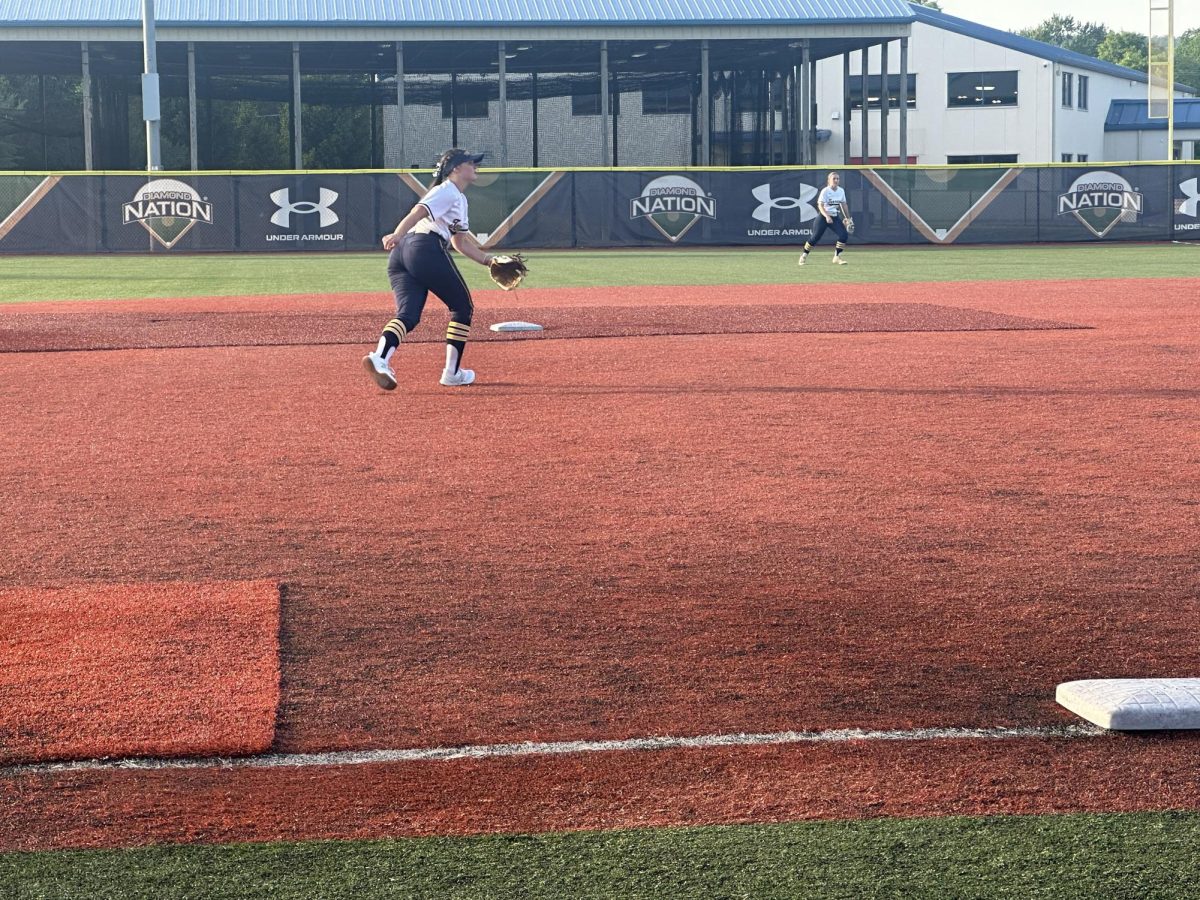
[557, 748]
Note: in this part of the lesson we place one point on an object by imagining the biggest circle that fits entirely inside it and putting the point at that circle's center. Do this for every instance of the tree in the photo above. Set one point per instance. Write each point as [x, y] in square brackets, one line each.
[41, 122]
[10, 108]
[932, 4]
[1066, 32]
[248, 134]
[1125, 48]
[1187, 58]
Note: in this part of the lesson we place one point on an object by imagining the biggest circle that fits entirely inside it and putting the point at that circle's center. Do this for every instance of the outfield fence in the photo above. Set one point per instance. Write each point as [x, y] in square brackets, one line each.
[594, 208]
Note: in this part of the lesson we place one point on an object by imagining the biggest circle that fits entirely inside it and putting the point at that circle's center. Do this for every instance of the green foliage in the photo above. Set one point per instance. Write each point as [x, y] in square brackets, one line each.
[1125, 48]
[249, 134]
[1068, 33]
[1187, 58]
[41, 122]
[932, 4]
[337, 122]
[11, 107]
[1148, 855]
[174, 133]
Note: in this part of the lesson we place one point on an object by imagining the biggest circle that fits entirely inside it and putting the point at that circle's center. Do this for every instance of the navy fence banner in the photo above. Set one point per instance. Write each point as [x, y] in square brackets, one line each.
[338, 211]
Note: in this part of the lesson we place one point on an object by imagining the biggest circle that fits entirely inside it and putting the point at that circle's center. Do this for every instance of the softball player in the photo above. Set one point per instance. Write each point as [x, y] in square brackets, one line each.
[419, 262]
[831, 203]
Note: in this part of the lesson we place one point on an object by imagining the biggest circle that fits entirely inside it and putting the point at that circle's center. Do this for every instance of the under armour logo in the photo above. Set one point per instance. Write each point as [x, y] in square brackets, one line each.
[762, 194]
[283, 218]
[1190, 206]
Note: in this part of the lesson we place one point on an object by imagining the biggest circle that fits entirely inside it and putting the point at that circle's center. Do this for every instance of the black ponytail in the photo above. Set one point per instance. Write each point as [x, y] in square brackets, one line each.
[446, 163]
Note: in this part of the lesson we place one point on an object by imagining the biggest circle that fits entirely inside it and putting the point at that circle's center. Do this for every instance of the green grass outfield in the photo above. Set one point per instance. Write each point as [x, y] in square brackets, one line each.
[26, 278]
[1070, 856]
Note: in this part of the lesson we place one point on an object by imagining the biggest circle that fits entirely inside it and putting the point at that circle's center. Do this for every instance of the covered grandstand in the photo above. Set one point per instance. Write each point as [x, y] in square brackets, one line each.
[390, 83]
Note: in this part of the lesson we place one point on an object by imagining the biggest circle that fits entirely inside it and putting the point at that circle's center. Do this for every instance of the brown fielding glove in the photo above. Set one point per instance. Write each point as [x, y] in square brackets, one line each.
[508, 271]
[849, 225]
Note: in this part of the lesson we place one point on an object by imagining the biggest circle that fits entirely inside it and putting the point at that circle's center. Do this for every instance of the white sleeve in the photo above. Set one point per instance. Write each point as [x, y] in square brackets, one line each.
[439, 201]
[459, 220]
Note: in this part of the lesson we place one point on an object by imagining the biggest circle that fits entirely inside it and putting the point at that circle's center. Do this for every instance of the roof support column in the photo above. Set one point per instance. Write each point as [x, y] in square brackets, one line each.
[534, 91]
[806, 92]
[401, 154]
[606, 152]
[904, 101]
[705, 106]
[769, 118]
[503, 106]
[812, 110]
[298, 152]
[787, 92]
[885, 100]
[864, 144]
[86, 87]
[193, 143]
[798, 112]
[846, 108]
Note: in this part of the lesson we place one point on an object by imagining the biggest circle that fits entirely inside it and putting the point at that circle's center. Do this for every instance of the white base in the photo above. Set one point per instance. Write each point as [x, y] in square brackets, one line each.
[516, 326]
[1134, 704]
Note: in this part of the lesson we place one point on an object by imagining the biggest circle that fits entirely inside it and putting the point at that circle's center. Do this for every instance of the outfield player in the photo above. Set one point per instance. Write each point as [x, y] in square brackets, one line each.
[831, 203]
[419, 262]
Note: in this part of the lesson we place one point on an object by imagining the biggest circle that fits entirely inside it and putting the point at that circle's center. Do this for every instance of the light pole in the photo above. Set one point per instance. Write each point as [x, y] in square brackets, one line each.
[151, 110]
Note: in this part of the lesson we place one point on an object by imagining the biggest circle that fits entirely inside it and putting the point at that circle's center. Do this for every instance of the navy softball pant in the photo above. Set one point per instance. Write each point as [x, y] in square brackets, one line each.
[421, 263]
[836, 226]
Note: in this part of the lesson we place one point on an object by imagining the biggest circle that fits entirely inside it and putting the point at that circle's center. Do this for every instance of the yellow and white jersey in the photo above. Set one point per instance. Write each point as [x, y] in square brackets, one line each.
[447, 207]
[830, 198]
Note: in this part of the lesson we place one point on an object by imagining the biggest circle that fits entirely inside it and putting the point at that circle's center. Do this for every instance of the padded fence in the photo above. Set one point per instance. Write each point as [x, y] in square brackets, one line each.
[338, 211]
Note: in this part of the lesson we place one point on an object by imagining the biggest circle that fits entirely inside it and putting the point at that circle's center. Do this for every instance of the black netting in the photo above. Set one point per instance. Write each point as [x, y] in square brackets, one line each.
[416, 135]
[41, 122]
[352, 116]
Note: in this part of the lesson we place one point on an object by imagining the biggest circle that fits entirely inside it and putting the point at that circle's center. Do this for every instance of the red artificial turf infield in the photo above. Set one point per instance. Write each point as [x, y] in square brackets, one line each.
[861, 779]
[98, 670]
[677, 535]
[53, 331]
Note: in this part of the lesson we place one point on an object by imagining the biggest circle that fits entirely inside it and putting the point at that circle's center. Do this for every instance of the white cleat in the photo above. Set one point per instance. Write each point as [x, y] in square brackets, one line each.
[458, 379]
[838, 261]
[380, 371]
[802, 258]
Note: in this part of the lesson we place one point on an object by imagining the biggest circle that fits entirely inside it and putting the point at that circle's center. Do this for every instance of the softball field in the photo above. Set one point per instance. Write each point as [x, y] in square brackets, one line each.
[742, 580]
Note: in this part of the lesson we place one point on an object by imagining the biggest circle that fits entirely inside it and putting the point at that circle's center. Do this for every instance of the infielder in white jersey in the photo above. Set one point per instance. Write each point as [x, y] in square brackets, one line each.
[419, 262]
[831, 203]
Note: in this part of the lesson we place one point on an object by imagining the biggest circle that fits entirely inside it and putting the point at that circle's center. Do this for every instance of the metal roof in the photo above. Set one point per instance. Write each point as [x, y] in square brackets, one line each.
[323, 13]
[1027, 45]
[1132, 115]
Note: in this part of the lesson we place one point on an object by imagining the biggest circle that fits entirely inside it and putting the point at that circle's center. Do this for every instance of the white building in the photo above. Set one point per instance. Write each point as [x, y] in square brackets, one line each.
[978, 95]
[1130, 134]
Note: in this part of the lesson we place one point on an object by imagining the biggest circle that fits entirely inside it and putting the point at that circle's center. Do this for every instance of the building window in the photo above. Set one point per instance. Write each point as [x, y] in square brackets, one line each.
[981, 160]
[982, 89]
[1068, 89]
[1082, 157]
[470, 101]
[1083, 92]
[1066, 157]
[672, 98]
[875, 91]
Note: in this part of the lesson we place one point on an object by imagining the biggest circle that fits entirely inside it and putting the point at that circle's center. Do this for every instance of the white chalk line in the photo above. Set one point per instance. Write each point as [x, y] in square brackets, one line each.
[556, 748]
